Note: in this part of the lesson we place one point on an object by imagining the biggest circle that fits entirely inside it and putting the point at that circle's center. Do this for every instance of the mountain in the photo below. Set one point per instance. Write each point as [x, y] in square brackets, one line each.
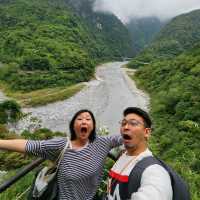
[142, 31]
[49, 43]
[105, 26]
[176, 37]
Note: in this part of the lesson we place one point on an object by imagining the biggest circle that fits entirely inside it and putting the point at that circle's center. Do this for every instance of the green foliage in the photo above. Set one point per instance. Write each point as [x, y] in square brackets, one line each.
[179, 35]
[12, 160]
[42, 133]
[142, 31]
[31, 63]
[49, 45]
[10, 111]
[172, 79]
[18, 190]
[174, 87]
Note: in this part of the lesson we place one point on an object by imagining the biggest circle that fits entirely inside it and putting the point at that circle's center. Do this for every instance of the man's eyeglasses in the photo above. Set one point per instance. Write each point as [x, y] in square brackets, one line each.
[131, 122]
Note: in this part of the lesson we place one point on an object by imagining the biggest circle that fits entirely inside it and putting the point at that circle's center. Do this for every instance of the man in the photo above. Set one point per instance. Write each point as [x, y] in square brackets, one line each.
[155, 183]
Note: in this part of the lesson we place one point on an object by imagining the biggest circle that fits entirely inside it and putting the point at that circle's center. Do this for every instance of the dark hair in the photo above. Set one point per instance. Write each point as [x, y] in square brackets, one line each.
[92, 135]
[141, 113]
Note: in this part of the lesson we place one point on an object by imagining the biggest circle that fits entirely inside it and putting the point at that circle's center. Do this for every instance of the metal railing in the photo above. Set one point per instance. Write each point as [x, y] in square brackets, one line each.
[29, 168]
[20, 174]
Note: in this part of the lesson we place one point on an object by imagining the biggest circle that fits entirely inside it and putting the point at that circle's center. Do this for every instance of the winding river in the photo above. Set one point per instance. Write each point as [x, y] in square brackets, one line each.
[106, 96]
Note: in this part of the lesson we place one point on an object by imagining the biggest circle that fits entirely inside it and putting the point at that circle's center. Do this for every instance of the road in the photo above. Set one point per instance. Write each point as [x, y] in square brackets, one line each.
[106, 96]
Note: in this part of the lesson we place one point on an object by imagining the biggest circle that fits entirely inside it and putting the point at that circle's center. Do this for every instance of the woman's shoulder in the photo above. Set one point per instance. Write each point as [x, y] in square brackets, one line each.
[58, 142]
[109, 138]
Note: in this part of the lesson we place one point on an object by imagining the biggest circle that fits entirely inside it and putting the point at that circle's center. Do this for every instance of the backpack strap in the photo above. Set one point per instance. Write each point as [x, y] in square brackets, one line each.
[136, 173]
[179, 187]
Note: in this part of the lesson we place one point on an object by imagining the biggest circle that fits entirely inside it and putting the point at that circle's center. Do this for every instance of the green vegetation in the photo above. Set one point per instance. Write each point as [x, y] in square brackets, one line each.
[12, 162]
[17, 190]
[169, 70]
[46, 44]
[179, 35]
[41, 46]
[43, 96]
[174, 88]
[142, 31]
[10, 111]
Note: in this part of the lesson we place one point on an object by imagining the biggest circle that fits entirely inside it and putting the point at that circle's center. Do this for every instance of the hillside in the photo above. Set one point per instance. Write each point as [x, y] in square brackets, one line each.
[105, 27]
[179, 35]
[46, 44]
[142, 31]
[173, 83]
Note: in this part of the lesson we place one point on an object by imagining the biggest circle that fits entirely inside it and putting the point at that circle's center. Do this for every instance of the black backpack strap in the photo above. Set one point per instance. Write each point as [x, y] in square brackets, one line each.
[136, 173]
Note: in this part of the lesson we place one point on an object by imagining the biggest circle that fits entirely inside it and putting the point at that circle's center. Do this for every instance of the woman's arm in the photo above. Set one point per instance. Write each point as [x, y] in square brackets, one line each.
[17, 145]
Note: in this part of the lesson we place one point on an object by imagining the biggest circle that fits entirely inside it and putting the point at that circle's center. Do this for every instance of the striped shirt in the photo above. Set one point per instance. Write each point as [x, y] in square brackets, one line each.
[80, 171]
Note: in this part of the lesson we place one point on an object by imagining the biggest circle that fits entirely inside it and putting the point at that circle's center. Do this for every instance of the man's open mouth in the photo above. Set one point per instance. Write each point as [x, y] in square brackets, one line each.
[126, 137]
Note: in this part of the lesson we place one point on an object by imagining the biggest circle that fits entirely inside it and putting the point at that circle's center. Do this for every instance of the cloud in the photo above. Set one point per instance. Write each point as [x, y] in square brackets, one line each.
[164, 9]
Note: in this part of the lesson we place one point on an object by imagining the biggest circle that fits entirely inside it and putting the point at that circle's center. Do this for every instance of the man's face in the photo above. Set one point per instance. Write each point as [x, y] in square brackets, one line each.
[134, 132]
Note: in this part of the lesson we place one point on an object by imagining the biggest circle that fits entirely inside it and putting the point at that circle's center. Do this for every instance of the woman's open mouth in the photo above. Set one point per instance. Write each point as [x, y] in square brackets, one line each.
[84, 130]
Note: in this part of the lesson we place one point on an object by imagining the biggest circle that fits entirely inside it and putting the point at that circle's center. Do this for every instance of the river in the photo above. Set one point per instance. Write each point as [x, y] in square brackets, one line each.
[106, 96]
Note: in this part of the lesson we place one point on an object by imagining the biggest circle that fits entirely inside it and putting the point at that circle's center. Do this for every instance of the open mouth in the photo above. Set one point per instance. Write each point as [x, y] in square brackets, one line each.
[83, 130]
[126, 137]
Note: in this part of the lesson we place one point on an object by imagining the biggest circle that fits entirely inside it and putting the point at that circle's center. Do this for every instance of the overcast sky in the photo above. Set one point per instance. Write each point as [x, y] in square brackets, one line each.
[125, 9]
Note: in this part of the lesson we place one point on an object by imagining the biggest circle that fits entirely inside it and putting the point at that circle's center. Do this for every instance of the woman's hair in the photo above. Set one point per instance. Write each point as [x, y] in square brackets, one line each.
[92, 135]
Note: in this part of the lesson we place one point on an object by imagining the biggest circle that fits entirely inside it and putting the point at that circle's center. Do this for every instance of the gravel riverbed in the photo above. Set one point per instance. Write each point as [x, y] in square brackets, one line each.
[106, 96]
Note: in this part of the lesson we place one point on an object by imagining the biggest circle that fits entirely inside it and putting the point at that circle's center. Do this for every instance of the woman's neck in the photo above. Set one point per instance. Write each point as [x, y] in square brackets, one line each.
[76, 144]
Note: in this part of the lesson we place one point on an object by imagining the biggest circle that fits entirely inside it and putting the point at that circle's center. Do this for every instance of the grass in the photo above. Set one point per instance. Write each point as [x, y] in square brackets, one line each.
[16, 191]
[42, 96]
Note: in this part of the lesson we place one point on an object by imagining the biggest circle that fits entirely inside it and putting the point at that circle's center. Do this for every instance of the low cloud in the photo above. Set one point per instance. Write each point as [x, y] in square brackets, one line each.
[163, 9]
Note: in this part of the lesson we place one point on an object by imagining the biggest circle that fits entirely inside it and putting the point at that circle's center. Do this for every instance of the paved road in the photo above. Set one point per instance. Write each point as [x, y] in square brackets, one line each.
[106, 96]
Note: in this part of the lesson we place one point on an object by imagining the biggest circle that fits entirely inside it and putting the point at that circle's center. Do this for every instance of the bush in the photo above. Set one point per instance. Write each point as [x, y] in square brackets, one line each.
[10, 111]
[35, 62]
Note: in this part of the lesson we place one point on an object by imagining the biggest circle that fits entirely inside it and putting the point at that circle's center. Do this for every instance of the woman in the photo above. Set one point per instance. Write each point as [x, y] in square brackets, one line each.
[81, 168]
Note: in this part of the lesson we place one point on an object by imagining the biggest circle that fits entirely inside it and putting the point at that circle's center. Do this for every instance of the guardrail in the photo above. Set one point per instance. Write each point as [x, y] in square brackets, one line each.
[29, 168]
[20, 174]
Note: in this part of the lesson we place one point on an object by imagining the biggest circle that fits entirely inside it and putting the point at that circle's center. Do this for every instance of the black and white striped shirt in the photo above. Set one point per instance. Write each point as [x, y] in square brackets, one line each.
[80, 172]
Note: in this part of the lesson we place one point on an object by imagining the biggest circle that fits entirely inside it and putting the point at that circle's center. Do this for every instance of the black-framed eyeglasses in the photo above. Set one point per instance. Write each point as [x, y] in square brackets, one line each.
[131, 122]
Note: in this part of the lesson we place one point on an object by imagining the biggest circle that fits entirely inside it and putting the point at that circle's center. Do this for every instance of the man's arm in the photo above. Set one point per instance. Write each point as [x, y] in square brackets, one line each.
[17, 145]
[155, 185]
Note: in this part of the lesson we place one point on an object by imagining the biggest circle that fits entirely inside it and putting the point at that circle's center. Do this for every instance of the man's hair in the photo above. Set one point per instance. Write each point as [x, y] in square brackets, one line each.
[71, 125]
[141, 113]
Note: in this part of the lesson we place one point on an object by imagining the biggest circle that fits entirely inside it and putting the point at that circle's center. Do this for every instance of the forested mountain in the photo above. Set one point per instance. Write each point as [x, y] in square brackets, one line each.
[105, 26]
[179, 35]
[142, 31]
[47, 43]
[170, 73]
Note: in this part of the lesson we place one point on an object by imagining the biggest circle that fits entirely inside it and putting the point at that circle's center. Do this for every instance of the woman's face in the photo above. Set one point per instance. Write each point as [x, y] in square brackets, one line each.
[83, 126]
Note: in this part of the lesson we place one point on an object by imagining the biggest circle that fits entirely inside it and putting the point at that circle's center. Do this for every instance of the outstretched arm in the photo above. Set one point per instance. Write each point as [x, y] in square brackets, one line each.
[17, 145]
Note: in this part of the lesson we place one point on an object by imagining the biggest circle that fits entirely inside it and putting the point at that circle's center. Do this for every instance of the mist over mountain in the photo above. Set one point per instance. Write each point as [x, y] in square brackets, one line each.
[143, 30]
[177, 36]
[128, 9]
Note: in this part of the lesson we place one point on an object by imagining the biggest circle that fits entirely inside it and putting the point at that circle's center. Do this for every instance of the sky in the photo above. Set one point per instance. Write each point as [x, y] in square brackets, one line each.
[163, 9]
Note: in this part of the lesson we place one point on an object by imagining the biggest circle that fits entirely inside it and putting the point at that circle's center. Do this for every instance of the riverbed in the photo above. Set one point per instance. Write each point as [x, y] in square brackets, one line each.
[106, 96]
